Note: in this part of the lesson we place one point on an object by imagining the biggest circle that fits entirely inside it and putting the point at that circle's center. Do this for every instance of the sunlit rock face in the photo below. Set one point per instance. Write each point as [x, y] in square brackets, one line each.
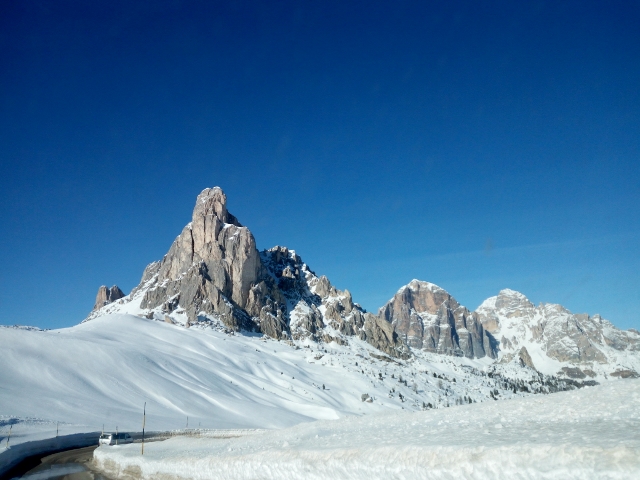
[426, 317]
[210, 268]
[107, 295]
[578, 345]
[213, 272]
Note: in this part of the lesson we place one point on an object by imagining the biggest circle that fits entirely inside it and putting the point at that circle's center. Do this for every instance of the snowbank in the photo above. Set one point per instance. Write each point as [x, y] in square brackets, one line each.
[590, 433]
[10, 457]
[99, 374]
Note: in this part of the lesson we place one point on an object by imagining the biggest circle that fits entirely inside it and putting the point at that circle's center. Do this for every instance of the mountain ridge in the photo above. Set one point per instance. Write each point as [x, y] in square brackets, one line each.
[214, 274]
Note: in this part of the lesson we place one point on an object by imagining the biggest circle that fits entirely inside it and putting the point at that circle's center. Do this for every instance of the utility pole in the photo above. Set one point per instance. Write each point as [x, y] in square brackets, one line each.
[144, 418]
[10, 427]
[57, 427]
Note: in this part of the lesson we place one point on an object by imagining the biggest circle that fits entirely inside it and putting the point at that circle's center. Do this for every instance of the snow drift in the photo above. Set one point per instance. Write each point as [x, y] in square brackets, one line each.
[590, 433]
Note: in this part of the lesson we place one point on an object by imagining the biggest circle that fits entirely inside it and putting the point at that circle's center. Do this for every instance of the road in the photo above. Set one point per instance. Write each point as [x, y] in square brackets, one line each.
[67, 465]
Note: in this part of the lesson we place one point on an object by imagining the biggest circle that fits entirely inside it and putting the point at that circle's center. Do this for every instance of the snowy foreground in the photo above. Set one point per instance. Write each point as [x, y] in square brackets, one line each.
[101, 373]
[590, 433]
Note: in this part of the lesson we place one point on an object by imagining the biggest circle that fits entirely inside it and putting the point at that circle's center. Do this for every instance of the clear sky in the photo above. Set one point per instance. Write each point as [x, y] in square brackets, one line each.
[475, 145]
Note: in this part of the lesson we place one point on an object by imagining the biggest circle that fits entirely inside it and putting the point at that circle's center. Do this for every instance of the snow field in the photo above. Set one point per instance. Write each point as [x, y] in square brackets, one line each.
[585, 434]
[101, 372]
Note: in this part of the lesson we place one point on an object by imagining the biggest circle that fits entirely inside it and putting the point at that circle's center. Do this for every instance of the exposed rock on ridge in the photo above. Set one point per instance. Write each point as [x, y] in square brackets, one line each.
[577, 339]
[316, 309]
[107, 295]
[427, 317]
[213, 271]
[213, 268]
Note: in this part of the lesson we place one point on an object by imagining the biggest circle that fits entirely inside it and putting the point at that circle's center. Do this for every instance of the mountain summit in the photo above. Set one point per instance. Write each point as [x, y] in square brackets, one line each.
[427, 317]
[213, 273]
[560, 342]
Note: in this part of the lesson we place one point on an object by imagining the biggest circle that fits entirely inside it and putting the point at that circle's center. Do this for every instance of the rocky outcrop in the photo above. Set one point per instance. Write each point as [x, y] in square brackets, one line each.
[525, 358]
[213, 272]
[210, 268]
[107, 295]
[318, 310]
[577, 340]
[426, 317]
[381, 334]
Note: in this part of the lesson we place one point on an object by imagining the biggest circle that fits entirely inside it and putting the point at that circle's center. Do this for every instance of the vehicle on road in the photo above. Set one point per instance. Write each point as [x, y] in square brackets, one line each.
[115, 439]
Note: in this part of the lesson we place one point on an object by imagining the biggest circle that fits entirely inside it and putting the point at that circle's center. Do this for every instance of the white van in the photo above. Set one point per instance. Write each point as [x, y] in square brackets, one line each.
[115, 439]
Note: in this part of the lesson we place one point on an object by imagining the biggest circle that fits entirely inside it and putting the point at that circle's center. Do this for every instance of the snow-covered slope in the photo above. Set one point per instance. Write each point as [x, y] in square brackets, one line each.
[559, 342]
[101, 372]
[592, 433]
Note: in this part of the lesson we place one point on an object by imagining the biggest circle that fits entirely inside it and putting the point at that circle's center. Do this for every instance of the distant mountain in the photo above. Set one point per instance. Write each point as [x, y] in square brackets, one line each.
[307, 350]
[508, 327]
[214, 275]
[427, 317]
[560, 342]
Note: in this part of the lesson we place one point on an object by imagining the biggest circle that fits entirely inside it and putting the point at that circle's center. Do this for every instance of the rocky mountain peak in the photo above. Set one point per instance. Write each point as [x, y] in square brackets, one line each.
[416, 284]
[424, 297]
[213, 202]
[512, 303]
[587, 346]
[427, 317]
[107, 295]
[213, 273]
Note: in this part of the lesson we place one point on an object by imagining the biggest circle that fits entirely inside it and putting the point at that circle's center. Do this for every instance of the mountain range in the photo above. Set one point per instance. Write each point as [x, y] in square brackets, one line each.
[213, 275]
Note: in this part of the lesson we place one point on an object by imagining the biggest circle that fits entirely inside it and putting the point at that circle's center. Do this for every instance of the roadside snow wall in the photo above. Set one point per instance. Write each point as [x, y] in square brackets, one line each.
[592, 433]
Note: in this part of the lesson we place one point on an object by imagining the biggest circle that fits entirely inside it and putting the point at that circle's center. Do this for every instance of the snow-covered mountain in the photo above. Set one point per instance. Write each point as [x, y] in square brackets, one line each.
[214, 275]
[101, 372]
[508, 327]
[560, 342]
[231, 337]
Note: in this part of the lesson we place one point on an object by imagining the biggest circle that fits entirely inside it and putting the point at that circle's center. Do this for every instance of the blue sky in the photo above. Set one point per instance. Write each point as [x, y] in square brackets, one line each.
[476, 145]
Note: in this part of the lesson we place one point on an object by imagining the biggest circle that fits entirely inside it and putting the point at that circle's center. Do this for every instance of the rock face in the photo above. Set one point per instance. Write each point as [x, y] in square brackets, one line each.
[314, 308]
[214, 274]
[525, 358]
[577, 344]
[213, 271]
[427, 317]
[107, 295]
[210, 268]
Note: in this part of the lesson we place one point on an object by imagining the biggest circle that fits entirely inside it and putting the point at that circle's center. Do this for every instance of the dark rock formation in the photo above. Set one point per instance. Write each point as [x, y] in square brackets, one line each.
[525, 358]
[107, 295]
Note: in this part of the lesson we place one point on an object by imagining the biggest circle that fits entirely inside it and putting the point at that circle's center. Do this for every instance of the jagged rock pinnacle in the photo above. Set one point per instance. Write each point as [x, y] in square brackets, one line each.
[107, 295]
[213, 272]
